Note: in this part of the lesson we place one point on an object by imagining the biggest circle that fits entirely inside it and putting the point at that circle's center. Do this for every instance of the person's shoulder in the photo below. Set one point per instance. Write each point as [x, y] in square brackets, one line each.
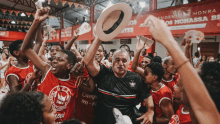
[130, 73]
[165, 90]
[12, 69]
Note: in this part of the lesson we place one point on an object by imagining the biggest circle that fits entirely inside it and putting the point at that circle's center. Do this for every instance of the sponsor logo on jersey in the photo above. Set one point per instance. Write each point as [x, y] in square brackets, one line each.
[60, 97]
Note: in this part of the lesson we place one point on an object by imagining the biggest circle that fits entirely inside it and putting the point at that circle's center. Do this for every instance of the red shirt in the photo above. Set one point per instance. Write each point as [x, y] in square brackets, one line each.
[171, 83]
[85, 104]
[62, 93]
[22, 74]
[159, 95]
[180, 117]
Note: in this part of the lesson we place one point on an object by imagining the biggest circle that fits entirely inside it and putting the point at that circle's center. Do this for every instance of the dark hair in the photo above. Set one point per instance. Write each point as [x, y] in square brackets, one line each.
[210, 74]
[72, 121]
[202, 57]
[71, 57]
[151, 55]
[197, 54]
[58, 45]
[148, 58]
[7, 56]
[22, 108]
[102, 47]
[166, 60]
[156, 69]
[157, 59]
[16, 45]
[126, 46]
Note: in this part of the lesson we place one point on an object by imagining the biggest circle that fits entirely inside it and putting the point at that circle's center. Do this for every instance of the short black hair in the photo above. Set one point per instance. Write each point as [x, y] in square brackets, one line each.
[15, 45]
[156, 69]
[151, 55]
[58, 45]
[148, 58]
[210, 74]
[71, 57]
[157, 59]
[22, 108]
[126, 46]
[197, 54]
[72, 121]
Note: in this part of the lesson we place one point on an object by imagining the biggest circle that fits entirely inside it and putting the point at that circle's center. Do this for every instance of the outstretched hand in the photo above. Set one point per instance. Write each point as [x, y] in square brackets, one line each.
[76, 33]
[147, 118]
[159, 30]
[140, 45]
[42, 14]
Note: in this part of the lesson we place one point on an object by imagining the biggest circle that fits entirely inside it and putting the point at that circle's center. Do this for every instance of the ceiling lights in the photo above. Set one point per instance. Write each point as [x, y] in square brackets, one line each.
[22, 14]
[12, 22]
[41, 0]
[87, 12]
[142, 4]
[109, 4]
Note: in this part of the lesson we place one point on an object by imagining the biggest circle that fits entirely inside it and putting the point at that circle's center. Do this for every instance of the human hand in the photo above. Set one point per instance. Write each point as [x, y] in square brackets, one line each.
[159, 30]
[42, 14]
[36, 74]
[140, 45]
[147, 118]
[76, 32]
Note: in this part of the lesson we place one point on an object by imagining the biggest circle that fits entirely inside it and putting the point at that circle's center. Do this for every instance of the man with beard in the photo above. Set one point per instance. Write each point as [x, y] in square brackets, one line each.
[57, 82]
[170, 77]
[117, 87]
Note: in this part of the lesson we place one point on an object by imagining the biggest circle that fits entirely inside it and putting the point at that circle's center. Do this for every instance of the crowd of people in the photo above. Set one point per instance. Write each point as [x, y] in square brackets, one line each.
[75, 87]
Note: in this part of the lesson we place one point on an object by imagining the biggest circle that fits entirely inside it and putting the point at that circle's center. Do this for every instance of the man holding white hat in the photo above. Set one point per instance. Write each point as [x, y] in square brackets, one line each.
[117, 87]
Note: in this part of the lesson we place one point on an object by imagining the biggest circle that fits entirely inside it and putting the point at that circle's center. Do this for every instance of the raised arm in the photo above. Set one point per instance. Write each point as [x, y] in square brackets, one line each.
[205, 112]
[89, 60]
[75, 51]
[71, 41]
[38, 39]
[42, 49]
[40, 16]
[134, 66]
[88, 89]
[188, 51]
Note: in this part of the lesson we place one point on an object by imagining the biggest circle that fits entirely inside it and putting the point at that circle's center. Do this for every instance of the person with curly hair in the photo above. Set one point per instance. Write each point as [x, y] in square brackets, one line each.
[162, 95]
[27, 108]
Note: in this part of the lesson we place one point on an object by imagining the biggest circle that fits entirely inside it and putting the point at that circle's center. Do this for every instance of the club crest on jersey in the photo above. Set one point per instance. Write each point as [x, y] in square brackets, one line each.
[60, 97]
[132, 83]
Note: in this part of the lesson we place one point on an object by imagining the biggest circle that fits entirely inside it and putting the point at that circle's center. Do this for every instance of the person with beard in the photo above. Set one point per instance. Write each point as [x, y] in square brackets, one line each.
[170, 77]
[57, 81]
[18, 75]
[117, 87]
[205, 112]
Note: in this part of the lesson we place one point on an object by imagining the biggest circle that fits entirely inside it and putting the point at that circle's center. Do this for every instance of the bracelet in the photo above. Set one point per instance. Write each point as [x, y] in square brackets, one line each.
[182, 64]
[45, 44]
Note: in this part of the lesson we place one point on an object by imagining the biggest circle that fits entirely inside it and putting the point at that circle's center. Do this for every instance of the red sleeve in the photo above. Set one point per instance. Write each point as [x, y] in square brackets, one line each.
[85, 73]
[129, 68]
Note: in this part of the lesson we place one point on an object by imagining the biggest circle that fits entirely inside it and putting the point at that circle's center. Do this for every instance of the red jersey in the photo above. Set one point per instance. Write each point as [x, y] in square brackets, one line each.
[62, 93]
[85, 104]
[22, 74]
[159, 95]
[180, 117]
[171, 83]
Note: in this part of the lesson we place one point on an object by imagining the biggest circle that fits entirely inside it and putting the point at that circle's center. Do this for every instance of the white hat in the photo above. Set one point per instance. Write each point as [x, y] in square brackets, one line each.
[112, 21]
